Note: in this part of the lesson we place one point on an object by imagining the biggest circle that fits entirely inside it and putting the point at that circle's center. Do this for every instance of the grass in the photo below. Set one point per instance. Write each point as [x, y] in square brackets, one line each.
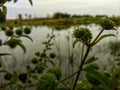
[62, 23]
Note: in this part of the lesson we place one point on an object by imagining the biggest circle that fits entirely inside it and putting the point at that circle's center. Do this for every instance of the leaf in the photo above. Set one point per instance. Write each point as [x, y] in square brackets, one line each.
[27, 37]
[102, 37]
[22, 46]
[3, 54]
[14, 79]
[4, 10]
[99, 76]
[90, 60]
[74, 43]
[31, 2]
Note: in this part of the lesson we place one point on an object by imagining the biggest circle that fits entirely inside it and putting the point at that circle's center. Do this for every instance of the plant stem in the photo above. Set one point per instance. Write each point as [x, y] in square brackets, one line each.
[69, 76]
[84, 58]
[98, 36]
[81, 66]
[82, 52]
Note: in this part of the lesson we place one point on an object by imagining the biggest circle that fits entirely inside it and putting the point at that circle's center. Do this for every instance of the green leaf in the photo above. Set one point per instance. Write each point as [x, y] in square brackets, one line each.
[74, 43]
[22, 46]
[4, 10]
[102, 37]
[3, 54]
[14, 79]
[27, 37]
[90, 60]
[99, 76]
[31, 2]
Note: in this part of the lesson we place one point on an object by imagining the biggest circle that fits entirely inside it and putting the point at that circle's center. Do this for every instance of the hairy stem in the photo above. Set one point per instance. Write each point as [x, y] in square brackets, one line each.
[98, 36]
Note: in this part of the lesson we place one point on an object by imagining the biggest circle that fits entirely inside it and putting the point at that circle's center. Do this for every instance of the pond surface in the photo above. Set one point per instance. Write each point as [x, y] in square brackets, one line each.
[67, 57]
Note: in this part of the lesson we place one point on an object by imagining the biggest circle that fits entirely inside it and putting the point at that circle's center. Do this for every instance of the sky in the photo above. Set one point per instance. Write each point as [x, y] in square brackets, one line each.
[42, 8]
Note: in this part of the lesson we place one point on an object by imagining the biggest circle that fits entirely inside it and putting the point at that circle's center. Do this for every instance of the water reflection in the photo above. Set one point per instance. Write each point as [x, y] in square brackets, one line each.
[67, 56]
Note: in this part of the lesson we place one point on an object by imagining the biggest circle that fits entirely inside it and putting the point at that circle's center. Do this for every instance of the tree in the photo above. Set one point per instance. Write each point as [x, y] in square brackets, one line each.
[61, 15]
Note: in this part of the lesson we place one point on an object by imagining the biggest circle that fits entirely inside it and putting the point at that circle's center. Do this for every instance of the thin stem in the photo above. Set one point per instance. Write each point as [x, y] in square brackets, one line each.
[68, 87]
[81, 66]
[75, 71]
[82, 52]
[69, 76]
[98, 35]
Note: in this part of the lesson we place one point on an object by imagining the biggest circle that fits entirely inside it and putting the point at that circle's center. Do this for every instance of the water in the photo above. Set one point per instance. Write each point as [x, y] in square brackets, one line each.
[68, 58]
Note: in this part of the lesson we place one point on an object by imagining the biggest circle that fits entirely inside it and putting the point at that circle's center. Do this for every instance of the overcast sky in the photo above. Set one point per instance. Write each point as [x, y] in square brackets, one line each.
[42, 8]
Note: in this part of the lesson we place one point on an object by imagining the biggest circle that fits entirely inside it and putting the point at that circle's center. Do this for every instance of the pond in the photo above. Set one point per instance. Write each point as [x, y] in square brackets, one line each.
[67, 56]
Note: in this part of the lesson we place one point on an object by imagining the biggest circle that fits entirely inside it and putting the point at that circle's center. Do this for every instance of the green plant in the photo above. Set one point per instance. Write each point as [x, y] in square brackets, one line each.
[84, 36]
[47, 81]
[56, 71]
[96, 79]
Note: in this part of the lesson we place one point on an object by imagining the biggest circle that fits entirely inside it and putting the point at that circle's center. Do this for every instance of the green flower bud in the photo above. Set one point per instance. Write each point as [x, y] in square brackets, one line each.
[47, 82]
[7, 76]
[34, 60]
[3, 28]
[39, 69]
[19, 32]
[12, 43]
[27, 30]
[52, 55]
[56, 71]
[37, 54]
[9, 32]
[83, 34]
[43, 55]
[107, 24]
[23, 77]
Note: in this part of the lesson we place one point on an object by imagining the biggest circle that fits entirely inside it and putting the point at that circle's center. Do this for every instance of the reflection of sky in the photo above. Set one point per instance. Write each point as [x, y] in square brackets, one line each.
[44, 7]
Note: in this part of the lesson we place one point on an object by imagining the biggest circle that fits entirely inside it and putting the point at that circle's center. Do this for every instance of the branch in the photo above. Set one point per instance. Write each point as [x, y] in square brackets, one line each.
[69, 76]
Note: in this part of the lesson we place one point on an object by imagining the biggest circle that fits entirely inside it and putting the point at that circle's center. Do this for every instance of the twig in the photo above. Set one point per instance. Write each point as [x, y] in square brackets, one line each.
[69, 76]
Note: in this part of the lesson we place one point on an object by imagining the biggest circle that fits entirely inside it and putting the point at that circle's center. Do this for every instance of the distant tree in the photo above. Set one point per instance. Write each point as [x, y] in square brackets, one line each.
[101, 16]
[76, 16]
[61, 15]
[88, 16]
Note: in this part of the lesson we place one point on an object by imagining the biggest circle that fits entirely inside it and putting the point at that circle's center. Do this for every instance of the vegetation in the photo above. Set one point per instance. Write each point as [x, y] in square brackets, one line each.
[62, 22]
[42, 73]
